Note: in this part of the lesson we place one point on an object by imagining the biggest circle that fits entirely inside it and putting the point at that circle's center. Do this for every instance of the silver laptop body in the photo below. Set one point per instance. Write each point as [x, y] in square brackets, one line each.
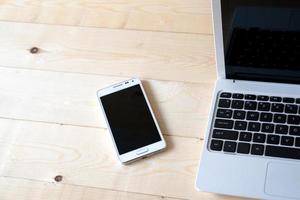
[264, 168]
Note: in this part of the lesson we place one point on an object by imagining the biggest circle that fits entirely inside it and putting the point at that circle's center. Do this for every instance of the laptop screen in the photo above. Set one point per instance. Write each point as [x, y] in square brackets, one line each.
[262, 40]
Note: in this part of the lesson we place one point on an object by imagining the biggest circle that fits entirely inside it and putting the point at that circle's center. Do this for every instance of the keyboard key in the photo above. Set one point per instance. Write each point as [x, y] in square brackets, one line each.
[267, 128]
[245, 136]
[273, 139]
[253, 116]
[293, 119]
[225, 134]
[243, 148]
[281, 129]
[262, 98]
[288, 100]
[277, 107]
[282, 152]
[260, 138]
[287, 140]
[279, 118]
[224, 123]
[257, 149]
[237, 96]
[224, 103]
[229, 146]
[216, 145]
[254, 126]
[239, 114]
[266, 117]
[297, 143]
[291, 108]
[250, 105]
[240, 125]
[264, 106]
[225, 95]
[294, 130]
[275, 99]
[250, 96]
[298, 101]
[237, 104]
[224, 113]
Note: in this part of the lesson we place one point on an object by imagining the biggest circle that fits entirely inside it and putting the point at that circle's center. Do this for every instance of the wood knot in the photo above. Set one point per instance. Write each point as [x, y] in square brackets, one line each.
[34, 50]
[58, 178]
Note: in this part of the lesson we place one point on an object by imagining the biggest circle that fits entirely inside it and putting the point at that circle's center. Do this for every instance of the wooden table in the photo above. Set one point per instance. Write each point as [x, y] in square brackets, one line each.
[55, 55]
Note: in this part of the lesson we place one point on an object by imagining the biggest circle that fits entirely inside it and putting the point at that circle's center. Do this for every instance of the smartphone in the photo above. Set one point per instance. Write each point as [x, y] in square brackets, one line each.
[130, 120]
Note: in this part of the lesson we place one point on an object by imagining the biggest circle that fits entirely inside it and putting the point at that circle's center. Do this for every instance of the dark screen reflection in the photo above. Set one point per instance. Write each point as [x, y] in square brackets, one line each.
[130, 119]
[262, 40]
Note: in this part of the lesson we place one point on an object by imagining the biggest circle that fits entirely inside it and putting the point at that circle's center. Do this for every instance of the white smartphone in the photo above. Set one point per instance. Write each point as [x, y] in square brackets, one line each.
[130, 120]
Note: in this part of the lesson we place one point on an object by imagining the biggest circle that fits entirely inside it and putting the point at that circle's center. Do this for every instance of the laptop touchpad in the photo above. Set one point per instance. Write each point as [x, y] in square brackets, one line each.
[283, 180]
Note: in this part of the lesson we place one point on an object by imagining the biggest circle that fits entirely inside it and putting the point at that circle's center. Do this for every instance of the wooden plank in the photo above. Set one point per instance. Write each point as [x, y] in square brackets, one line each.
[37, 190]
[68, 98]
[41, 151]
[154, 55]
[85, 157]
[192, 16]
[21, 189]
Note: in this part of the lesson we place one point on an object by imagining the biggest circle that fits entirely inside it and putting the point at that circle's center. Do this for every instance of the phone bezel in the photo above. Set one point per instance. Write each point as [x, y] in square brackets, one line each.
[132, 155]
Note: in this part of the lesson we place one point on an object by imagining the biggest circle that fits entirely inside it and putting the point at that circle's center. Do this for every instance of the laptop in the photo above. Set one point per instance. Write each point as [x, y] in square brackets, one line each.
[252, 143]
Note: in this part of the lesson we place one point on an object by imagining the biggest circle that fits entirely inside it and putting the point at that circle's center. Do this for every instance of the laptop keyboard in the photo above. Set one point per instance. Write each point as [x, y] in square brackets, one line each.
[256, 125]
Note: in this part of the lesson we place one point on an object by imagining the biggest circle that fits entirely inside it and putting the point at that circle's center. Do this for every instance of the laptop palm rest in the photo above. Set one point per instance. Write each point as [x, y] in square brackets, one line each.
[283, 180]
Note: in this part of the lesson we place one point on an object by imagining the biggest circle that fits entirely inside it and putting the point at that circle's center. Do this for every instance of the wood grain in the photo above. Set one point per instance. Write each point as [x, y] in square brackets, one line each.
[193, 16]
[50, 120]
[68, 98]
[22, 189]
[162, 56]
[85, 156]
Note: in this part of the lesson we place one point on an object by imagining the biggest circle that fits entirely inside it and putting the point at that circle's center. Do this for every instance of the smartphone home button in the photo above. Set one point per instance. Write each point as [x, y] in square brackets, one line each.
[141, 151]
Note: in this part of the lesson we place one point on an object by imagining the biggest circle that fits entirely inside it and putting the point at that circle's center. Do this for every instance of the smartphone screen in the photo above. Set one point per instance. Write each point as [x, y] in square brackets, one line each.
[130, 119]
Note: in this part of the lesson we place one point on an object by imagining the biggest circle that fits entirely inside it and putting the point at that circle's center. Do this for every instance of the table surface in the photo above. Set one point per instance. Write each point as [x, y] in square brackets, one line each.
[54, 143]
